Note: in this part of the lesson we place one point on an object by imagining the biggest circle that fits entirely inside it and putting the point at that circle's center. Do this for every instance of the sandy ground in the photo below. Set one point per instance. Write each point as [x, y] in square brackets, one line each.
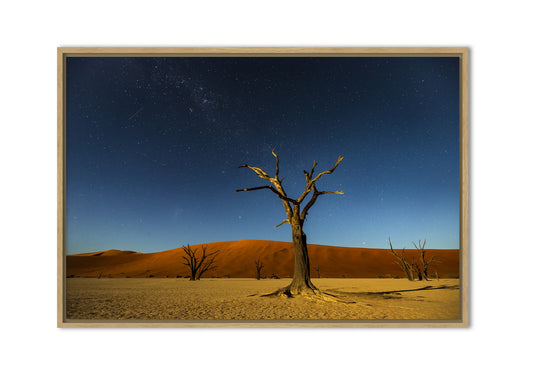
[90, 298]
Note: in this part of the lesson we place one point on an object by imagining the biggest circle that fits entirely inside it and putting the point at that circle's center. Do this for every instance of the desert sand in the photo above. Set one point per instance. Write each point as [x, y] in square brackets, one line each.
[236, 260]
[215, 299]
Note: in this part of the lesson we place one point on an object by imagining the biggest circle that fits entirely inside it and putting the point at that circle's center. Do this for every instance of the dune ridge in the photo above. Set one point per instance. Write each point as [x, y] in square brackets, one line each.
[236, 260]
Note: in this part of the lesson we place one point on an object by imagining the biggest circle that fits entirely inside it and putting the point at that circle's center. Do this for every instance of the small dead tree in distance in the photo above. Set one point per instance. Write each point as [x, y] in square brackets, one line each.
[199, 264]
[296, 213]
[425, 263]
[402, 262]
[258, 267]
[416, 268]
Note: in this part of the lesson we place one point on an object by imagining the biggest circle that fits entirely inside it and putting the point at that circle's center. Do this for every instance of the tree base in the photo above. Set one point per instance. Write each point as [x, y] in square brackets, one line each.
[307, 291]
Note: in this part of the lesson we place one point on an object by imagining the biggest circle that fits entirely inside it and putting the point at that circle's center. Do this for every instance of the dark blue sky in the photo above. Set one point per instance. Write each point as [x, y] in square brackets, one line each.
[153, 146]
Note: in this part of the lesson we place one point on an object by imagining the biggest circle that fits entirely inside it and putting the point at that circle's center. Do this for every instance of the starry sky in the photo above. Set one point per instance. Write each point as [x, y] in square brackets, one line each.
[153, 146]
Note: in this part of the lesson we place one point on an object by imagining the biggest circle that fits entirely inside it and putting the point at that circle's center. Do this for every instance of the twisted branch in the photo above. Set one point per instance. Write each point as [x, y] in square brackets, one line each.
[315, 196]
[402, 262]
[326, 171]
[281, 223]
[277, 163]
[277, 188]
[310, 181]
[281, 196]
[276, 182]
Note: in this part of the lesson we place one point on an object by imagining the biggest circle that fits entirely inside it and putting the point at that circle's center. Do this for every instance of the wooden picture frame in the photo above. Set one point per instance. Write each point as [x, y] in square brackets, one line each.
[461, 53]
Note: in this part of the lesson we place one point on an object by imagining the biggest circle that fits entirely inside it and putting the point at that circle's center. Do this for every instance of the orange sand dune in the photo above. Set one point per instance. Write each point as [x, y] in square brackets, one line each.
[236, 260]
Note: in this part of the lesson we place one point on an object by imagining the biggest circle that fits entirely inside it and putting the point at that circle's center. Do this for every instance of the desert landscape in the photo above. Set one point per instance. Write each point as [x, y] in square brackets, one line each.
[245, 151]
[363, 283]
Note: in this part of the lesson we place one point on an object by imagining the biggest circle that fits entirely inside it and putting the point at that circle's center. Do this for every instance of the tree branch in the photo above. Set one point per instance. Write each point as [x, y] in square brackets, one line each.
[326, 171]
[277, 188]
[332, 192]
[315, 196]
[312, 169]
[310, 181]
[280, 195]
[255, 188]
[206, 263]
[260, 172]
[187, 262]
[281, 223]
[277, 163]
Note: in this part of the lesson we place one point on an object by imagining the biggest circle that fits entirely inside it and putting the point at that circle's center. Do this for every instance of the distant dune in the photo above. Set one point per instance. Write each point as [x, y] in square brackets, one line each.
[236, 260]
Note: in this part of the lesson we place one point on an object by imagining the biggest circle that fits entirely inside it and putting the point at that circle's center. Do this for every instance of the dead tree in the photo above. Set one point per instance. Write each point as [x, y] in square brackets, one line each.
[402, 262]
[425, 263]
[296, 213]
[416, 268]
[258, 267]
[198, 264]
[317, 272]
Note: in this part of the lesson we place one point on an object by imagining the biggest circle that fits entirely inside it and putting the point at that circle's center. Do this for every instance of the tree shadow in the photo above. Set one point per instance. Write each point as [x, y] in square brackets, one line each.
[395, 293]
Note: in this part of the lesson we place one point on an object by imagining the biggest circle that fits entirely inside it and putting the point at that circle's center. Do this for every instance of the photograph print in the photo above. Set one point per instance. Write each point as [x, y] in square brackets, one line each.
[262, 187]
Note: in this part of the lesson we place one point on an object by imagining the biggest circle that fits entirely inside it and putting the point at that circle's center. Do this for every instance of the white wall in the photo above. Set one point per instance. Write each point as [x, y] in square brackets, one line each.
[501, 188]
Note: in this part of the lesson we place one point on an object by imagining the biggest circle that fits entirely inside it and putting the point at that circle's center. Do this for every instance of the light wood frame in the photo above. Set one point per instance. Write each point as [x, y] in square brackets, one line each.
[460, 52]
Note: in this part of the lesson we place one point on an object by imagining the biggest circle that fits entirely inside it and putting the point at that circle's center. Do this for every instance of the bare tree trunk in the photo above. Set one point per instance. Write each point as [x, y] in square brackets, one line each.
[408, 271]
[258, 267]
[416, 269]
[301, 280]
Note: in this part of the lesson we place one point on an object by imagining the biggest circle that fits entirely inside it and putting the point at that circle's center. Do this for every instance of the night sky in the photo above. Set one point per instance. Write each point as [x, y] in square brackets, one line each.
[153, 146]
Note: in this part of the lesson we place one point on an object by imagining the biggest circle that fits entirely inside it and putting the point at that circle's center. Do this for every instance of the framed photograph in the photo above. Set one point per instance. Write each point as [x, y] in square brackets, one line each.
[263, 187]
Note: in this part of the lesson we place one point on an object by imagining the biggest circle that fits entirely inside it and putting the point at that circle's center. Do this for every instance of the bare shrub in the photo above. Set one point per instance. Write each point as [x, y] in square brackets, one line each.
[199, 264]
[258, 267]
